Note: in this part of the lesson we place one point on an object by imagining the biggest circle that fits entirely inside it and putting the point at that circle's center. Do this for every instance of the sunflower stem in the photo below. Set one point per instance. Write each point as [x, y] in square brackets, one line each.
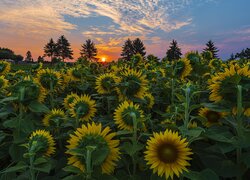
[133, 115]
[186, 105]
[90, 149]
[239, 124]
[172, 91]
[51, 94]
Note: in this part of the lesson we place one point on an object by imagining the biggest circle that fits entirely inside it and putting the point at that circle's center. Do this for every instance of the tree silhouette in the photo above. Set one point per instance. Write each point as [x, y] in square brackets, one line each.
[244, 54]
[63, 49]
[211, 47]
[28, 57]
[89, 50]
[50, 49]
[174, 52]
[6, 53]
[127, 50]
[138, 47]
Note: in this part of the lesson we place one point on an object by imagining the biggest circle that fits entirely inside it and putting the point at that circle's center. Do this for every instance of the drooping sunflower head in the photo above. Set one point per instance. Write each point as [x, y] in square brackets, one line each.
[4, 67]
[105, 153]
[167, 154]
[223, 85]
[74, 74]
[83, 108]
[41, 143]
[215, 63]
[69, 99]
[182, 68]
[49, 79]
[193, 57]
[54, 118]
[37, 67]
[28, 90]
[3, 82]
[125, 115]
[132, 84]
[211, 117]
[105, 83]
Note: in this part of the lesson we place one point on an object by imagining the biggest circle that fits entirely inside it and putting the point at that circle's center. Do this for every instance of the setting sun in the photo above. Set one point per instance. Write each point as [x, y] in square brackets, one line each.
[103, 59]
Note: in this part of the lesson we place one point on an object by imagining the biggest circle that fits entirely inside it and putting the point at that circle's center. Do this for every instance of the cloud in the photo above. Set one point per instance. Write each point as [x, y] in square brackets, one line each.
[32, 20]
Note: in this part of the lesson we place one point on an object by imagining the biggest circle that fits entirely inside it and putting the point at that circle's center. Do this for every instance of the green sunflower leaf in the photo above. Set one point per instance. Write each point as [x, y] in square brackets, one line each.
[37, 107]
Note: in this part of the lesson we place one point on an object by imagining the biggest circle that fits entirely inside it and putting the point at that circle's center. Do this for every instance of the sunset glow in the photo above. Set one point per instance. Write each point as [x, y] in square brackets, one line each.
[28, 25]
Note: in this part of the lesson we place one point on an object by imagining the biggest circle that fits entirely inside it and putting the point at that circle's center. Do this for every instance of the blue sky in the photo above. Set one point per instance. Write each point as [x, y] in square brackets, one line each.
[28, 24]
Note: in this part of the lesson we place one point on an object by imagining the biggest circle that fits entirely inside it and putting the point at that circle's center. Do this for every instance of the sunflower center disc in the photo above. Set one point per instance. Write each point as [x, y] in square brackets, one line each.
[167, 153]
[213, 116]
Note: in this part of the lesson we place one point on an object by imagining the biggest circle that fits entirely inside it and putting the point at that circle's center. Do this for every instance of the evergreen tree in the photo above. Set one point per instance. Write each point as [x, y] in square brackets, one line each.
[28, 57]
[138, 47]
[50, 49]
[232, 57]
[211, 47]
[174, 52]
[127, 50]
[89, 50]
[244, 54]
[63, 49]
[40, 59]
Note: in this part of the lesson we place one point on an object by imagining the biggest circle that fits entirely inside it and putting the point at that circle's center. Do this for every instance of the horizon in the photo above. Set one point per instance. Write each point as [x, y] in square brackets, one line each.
[28, 25]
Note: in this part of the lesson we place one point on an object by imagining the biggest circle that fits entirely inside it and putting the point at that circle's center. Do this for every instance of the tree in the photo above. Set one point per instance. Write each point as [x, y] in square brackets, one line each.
[244, 54]
[127, 50]
[28, 57]
[63, 49]
[174, 52]
[211, 47]
[50, 49]
[18, 58]
[40, 59]
[153, 58]
[89, 50]
[6, 53]
[232, 57]
[138, 47]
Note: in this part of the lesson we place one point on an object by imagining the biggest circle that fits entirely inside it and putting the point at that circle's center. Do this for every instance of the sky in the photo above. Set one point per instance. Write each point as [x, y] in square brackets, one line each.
[29, 24]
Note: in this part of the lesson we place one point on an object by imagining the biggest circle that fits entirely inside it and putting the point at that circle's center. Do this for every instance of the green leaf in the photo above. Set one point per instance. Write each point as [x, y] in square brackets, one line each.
[72, 169]
[132, 149]
[98, 156]
[19, 167]
[40, 160]
[206, 174]
[45, 167]
[38, 107]
[2, 136]
[12, 123]
[8, 99]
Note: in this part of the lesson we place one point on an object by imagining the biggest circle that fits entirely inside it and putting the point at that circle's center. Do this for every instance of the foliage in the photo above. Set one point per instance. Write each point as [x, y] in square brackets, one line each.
[212, 48]
[174, 52]
[188, 118]
[89, 50]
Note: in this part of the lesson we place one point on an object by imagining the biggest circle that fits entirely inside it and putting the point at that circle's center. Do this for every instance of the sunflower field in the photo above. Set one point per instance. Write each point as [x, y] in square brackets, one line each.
[138, 119]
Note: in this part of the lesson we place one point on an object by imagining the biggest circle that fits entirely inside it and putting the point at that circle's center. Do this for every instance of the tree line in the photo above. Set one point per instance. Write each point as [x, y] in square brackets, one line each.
[61, 49]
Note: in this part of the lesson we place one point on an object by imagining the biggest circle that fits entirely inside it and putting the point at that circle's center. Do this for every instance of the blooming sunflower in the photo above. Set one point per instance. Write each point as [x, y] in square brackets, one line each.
[28, 90]
[4, 67]
[48, 78]
[132, 84]
[101, 139]
[3, 82]
[56, 116]
[69, 99]
[211, 117]
[105, 83]
[223, 85]
[83, 108]
[42, 142]
[182, 68]
[74, 74]
[167, 153]
[124, 119]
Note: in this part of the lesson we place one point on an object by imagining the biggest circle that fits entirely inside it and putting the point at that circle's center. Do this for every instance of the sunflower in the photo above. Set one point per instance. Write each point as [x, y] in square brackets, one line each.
[246, 111]
[132, 84]
[182, 68]
[123, 116]
[49, 78]
[211, 117]
[105, 83]
[28, 90]
[149, 99]
[74, 74]
[167, 153]
[41, 142]
[69, 99]
[83, 108]
[3, 82]
[56, 116]
[223, 85]
[4, 67]
[215, 63]
[102, 139]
